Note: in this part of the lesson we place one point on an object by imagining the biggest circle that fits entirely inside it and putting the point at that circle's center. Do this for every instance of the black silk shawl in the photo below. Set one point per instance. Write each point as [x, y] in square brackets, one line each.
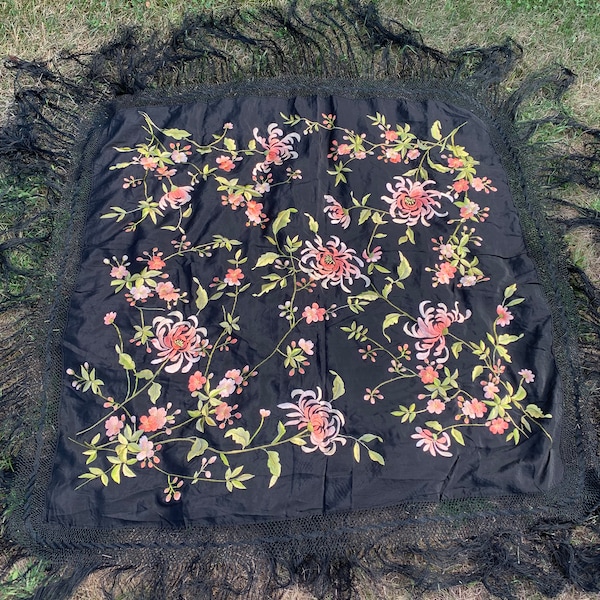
[300, 321]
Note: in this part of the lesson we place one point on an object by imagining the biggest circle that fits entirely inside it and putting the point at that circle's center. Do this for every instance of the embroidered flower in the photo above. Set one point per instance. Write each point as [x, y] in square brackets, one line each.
[332, 263]
[225, 415]
[314, 313]
[435, 406]
[178, 341]
[148, 162]
[155, 419]
[254, 212]
[306, 346]
[410, 202]
[373, 256]
[372, 395]
[317, 416]
[113, 425]
[109, 318]
[196, 381]
[427, 374]
[490, 389]
[498, 426]
[468, 280]
[444, 274]
[226, 387]
[462, 185]
[179, 155]
[431, 327]
[233, 277]
[264, 413]
[434, 443]
[336, 213]
[504, 316]
[119, 272]
[469, 210]
[277, 149]
[155, 262]
[527, 375]
[178, 196]
[474, 408]
[146, 452]
[225, 163]
[140, 292]
[168, 292]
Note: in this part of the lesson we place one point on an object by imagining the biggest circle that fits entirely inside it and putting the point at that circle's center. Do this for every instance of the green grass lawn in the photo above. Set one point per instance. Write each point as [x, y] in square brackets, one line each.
[550, 31]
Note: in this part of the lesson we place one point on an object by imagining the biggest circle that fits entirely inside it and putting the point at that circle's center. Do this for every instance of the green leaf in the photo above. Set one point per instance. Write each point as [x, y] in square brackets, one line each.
[456, 349]
[515, 302]
[177, 134]
[520, 395]
[224, 459]
[268, 258]
[280, 432]
[298, 441]
[313, 225]
[154, 391]
[239, 435]
[457, 435]
[535, 412]
[410, 234]
[115, 473]
[128, 472]
[369, 437]
[144, 374]
[435, 425]
[199, 447]
[370, 296]
[126, 361]
[201, 295]
[510, 290]
[390, 320]
[404, 269]
[338, 386]
[356, 452]
[364, 216]
[477, 371]
[436, 131]
[504, 339]
[274, 466]
[282, 219]
[376, 457]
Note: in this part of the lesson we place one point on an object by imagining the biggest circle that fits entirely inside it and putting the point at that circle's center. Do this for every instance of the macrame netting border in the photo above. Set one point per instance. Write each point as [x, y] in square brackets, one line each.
[49, 139]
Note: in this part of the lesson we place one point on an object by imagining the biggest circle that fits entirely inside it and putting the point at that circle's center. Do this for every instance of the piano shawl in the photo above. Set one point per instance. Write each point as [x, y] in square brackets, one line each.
[299, 324]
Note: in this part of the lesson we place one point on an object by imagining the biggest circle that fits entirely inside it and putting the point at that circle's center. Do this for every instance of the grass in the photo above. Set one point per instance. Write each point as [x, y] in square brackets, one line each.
[550, 31]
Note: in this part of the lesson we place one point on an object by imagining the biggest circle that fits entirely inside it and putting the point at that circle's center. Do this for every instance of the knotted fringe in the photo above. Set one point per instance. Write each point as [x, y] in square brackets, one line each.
[40, 147]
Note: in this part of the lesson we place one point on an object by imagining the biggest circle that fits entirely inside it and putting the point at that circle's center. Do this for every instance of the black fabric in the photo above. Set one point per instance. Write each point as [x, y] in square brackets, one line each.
[278, 297]
[494, 511]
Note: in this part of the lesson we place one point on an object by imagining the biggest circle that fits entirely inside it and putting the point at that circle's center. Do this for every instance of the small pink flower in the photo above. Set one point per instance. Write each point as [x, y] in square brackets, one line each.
[462, 185]
[412, 154]
[344, 149]
[498, 426]
[225, 163]
[454, 163]
[307, 346]
[146, 449]
[140, 292]
[156, 262]
[233, 277]
[109, 318]
[390, 135]
[178, 196]
[527, 375]
[468, 280]
[155, 419]
[335, 211]
[446, 250]
[113, 425]
[490, 389]
[254, 212]
[226, 387]
[504, 316]
[314, 313]
[264, 413]
[372, 395]
[469, 210]
[474, 408]
[373, 256]
[166, 291]
[119, 272]
[427, 374]
[435, 406]
[236, 375]
[196, 381]
[149, 163]
[444, 274]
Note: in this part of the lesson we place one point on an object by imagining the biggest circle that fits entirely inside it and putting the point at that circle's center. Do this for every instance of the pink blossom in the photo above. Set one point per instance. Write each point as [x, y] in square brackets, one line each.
[412, 154]
[317, 416]
[119, 272]
[498, 426]
[113, 425]
[225, 163]
[410, 202]
[307, 346]
[109, 318]
[474, 408]
[233, 277]
[504, 316]
[427, 374]
[332, 263]
[462, 185]
[176, 197]
[444, 274]
[490, 389]
[431, 329]
[264, 413]
[314, 313]
[155, 419]
[167, 291]
[435, 406]
[432, 442]
[277, 149]
[226, 387]
[373, 256]
[527, 375]
[196, 381]
[468, 280]
[254, 212]
[336, 213]
[469, 210]
[146, 449]
[140, 292]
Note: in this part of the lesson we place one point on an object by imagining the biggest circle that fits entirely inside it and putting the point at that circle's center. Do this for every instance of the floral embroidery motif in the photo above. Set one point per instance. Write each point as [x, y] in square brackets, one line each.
[167, 323]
